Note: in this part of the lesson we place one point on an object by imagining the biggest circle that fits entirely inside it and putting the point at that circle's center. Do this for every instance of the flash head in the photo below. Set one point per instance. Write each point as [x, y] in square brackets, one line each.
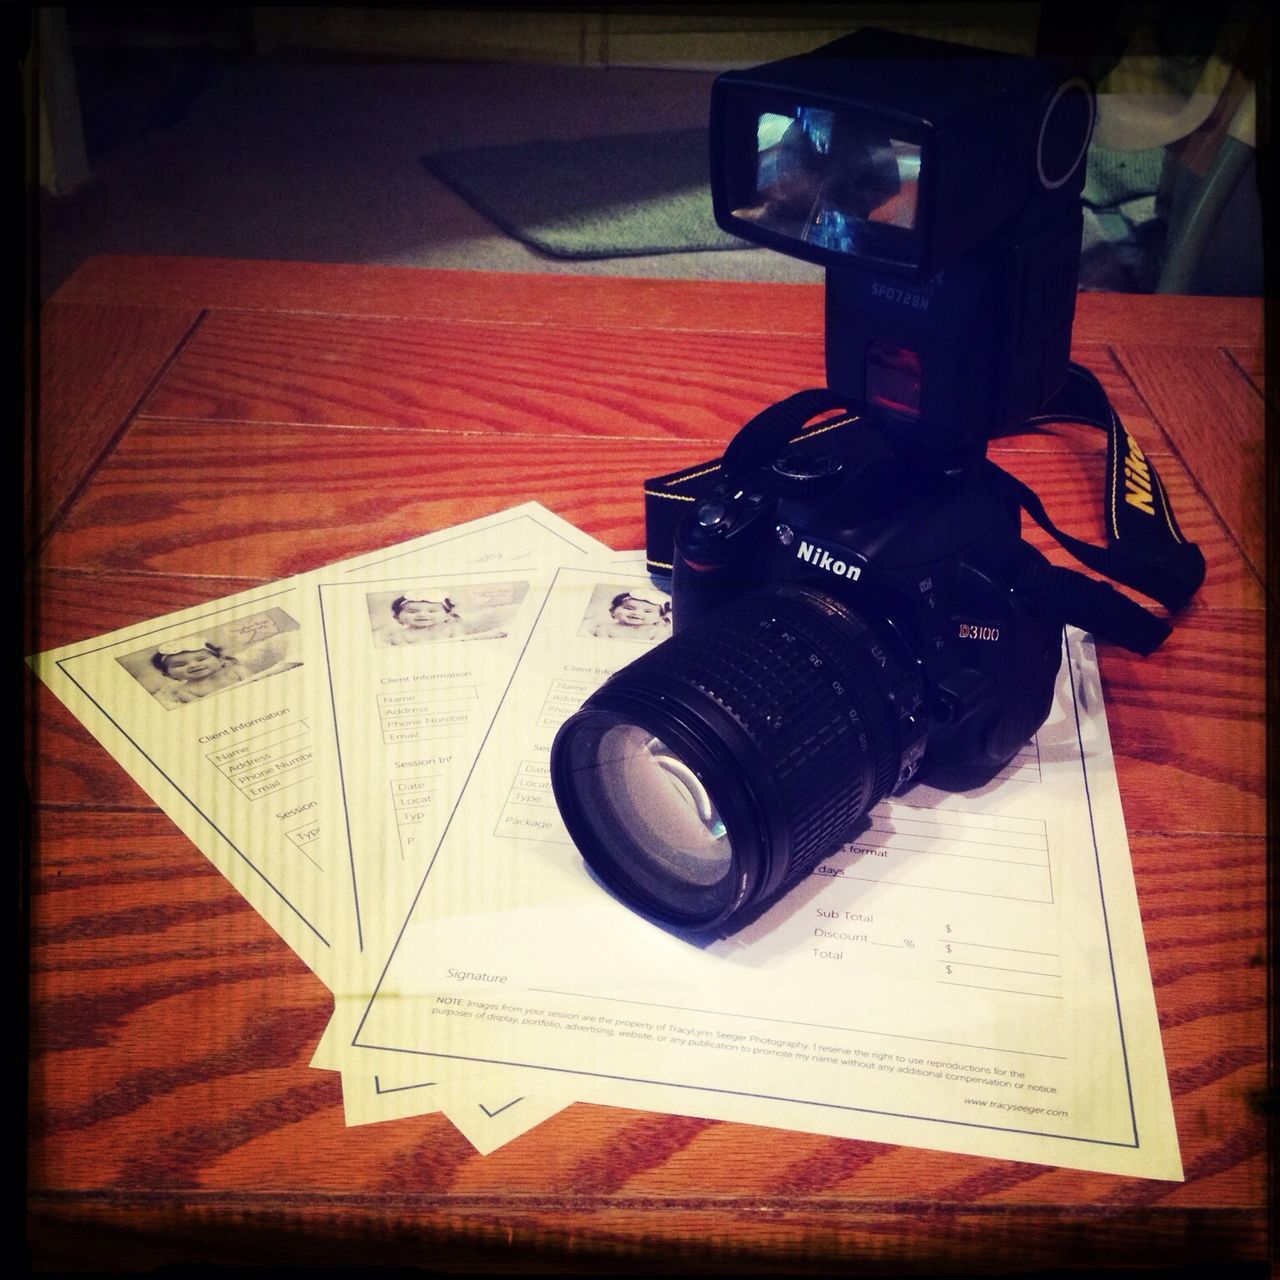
[893, 152]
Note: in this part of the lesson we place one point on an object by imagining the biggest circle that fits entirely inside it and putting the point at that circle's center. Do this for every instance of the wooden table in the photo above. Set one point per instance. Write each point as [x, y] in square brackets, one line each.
[208, 425]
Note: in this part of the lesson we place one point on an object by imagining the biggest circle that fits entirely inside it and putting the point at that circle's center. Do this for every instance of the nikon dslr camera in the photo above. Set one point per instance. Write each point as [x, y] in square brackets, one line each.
[847, 599]
[838, 614]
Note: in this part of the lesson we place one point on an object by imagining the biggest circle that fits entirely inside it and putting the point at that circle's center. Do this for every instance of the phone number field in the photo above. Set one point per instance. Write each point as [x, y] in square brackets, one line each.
[261, 764]
[563, 698]
[429, 715]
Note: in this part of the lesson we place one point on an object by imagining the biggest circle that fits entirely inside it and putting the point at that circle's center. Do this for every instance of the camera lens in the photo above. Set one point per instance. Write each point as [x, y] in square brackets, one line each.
[719, 767]
[649, 817]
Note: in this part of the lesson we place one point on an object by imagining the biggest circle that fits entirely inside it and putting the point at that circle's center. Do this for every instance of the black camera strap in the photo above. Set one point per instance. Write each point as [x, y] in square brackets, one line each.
[1145, 548]
[763, 438]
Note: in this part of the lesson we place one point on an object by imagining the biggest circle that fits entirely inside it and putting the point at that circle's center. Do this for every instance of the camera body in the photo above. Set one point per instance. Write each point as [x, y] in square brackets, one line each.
[926, 559]
[842, 618]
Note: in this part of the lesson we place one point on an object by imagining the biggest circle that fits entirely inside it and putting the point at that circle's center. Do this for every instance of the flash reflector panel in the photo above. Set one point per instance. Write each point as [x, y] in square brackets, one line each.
[825, 178]
[892, 152]
[818, 179]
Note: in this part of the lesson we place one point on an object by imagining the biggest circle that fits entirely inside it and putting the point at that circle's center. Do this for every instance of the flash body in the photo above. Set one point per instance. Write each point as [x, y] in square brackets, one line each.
[939, 186]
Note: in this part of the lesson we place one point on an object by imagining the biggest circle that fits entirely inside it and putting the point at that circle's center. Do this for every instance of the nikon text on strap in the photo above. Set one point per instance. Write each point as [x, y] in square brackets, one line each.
[1145, 548]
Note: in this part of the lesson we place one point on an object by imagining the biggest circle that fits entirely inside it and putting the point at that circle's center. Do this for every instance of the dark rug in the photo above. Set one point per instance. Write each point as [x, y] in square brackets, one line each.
[608, 197]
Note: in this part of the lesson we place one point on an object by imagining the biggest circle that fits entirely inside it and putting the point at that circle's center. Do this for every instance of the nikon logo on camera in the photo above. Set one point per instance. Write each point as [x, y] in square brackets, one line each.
[821, 559]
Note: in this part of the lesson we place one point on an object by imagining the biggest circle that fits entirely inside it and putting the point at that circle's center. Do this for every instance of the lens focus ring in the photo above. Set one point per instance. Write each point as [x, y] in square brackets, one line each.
[816, 692]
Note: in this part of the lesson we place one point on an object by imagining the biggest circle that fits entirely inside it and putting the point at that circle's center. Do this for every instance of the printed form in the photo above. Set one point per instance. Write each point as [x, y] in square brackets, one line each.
[967, 974]
[416, 666]
[213, 711]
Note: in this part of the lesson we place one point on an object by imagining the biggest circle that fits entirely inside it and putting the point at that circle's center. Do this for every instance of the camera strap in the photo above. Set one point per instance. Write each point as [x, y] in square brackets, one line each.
[1145, 548]
[767, 435]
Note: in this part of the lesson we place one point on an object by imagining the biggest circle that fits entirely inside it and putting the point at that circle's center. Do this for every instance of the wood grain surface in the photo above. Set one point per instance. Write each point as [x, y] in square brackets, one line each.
[246, 421]
[96, 365]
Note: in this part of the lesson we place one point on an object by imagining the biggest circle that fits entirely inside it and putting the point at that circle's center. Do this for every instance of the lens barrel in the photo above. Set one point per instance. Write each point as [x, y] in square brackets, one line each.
[720, 766]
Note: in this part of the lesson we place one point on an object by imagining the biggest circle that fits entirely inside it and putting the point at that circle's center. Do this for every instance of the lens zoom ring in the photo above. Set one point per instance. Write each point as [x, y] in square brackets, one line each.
[847, 644]
[875, 669]
[799, 679]
[786, 705]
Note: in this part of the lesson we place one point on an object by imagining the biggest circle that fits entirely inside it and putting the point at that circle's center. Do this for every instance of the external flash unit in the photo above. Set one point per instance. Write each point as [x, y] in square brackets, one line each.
[939, 186]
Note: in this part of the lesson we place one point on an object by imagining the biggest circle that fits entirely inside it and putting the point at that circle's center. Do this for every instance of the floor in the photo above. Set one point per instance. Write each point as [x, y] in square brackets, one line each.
[306, 159]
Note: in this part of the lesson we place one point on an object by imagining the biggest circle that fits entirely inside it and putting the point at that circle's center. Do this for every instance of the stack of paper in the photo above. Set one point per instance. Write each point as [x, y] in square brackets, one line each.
[362, 751]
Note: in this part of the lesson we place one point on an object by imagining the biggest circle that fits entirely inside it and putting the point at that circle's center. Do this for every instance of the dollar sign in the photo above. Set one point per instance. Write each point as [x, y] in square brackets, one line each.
[948, 928]
[948, 968]
[948, 948]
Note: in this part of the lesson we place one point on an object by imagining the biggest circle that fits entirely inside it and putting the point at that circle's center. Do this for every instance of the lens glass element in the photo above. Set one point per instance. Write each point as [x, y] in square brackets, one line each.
[643, 816]
[662, 803]
[834, 181]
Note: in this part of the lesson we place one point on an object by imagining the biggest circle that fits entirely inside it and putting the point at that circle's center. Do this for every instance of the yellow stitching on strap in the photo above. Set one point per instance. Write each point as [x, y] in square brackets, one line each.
[831, 426]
